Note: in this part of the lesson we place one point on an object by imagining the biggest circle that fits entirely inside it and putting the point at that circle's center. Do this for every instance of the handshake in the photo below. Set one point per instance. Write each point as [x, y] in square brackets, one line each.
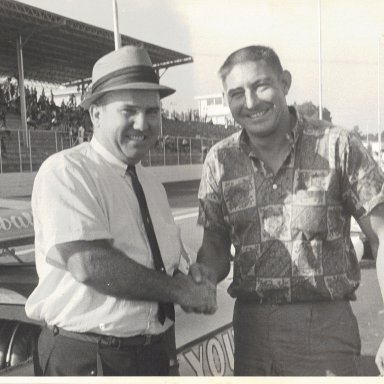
[197, 291]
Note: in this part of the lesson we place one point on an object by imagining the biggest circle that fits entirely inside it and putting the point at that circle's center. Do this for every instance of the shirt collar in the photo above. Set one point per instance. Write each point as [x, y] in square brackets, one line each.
[292, 136]
[120, 166]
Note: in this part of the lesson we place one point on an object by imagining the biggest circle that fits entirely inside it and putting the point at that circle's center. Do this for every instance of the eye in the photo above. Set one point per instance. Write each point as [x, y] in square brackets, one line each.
[127, 111]
[236, 94]
[262, 87]
[153, 112]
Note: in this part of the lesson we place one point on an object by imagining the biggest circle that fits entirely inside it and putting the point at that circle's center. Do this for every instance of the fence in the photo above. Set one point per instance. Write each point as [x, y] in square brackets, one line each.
[17, 156]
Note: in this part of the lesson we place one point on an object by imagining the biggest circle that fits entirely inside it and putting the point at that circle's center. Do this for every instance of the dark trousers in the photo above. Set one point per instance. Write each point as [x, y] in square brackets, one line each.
[309, 339]
[59, 355]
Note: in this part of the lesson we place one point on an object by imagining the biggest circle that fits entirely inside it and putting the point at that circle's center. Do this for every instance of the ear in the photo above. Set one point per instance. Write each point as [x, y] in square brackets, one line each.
[94, 113]
[286, 80]
[225, 97]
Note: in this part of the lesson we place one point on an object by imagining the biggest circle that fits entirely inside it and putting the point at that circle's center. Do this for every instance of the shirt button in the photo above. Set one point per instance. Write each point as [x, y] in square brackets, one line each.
[274, 186]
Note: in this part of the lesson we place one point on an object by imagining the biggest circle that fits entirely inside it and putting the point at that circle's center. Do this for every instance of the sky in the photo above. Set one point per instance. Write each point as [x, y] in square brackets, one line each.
[209, 30]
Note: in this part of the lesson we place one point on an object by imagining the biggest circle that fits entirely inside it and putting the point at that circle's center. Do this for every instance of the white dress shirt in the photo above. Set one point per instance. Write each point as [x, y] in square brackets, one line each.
[84, 193]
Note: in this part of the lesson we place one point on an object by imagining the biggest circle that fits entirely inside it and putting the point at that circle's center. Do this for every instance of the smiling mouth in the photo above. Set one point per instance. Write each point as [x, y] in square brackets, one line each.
[137, 137]
[258, 114]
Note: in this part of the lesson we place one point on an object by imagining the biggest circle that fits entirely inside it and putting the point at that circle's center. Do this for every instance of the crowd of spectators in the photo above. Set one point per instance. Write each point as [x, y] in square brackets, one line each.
[42, 111]
[44, 114]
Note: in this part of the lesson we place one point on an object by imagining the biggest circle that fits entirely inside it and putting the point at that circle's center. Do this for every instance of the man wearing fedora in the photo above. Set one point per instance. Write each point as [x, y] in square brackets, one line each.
[106, 244]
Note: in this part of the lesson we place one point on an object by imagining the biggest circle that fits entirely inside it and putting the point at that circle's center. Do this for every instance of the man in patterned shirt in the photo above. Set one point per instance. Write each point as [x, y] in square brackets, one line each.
[283, 191]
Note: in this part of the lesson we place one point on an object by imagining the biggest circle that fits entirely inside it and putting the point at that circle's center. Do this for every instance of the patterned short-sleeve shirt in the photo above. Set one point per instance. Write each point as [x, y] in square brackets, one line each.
[291, 230]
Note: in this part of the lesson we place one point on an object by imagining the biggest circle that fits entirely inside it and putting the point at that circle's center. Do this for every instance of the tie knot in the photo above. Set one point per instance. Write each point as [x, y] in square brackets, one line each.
[132, 170]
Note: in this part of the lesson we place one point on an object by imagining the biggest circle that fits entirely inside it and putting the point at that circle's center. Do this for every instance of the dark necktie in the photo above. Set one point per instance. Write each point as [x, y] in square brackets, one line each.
[165, 309]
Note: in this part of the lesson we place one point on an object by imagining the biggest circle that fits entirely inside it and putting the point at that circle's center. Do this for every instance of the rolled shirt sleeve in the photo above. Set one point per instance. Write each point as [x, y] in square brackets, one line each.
[65, 205]
[363, 180]
[211, 214]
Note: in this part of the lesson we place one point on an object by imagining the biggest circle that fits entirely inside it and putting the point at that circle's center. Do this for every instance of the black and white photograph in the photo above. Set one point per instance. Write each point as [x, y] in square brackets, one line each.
[191, 188]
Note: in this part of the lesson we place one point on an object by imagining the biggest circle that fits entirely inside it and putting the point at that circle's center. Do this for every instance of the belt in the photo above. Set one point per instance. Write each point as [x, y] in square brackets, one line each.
[260, 300]
[276, 301]
[104, 340]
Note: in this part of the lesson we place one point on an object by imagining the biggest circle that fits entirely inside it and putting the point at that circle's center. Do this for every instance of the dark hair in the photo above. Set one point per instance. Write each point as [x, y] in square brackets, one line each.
[252, 53]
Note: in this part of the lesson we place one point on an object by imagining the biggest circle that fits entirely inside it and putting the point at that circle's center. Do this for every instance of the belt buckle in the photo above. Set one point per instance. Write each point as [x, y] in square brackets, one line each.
[114, 342]
[147, 339]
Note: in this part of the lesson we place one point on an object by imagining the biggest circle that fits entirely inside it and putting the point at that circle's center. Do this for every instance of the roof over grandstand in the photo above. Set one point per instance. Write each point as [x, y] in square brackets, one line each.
[60, 50]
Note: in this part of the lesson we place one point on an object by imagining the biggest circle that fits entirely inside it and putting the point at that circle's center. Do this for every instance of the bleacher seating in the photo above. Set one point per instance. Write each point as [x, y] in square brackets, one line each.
[182, 143]
[196, 129]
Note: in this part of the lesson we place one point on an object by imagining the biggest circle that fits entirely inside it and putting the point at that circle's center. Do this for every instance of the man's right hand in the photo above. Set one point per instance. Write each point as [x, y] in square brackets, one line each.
[196, 297]
[200, 273]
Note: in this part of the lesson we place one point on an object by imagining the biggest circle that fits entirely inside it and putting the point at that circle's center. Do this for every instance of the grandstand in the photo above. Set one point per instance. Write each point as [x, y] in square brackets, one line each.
[58, 50]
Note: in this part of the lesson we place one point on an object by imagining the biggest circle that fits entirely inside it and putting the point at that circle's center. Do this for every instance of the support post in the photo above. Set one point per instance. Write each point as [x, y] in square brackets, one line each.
[23, 107]
[116, 25]
[20, 158]
[378, 100]
[190, 151]
[320, 69]
[30, 150]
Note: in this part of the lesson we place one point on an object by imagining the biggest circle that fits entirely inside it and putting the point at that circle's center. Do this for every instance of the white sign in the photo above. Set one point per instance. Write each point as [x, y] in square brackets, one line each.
[212, 355]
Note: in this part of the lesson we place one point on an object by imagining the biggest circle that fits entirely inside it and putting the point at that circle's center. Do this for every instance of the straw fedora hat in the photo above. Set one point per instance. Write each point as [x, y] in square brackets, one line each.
[126, 68]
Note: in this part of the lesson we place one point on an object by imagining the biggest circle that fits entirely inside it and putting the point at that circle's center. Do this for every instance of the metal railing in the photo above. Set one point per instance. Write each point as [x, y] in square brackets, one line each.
[17, 156]
[178, 150]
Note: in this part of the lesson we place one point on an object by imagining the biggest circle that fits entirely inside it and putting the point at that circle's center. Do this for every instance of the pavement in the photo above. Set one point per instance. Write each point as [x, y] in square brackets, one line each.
[369, 311]
[6, 204]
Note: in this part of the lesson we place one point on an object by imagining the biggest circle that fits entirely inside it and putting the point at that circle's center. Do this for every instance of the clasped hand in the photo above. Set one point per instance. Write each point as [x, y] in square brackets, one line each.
[201, 285]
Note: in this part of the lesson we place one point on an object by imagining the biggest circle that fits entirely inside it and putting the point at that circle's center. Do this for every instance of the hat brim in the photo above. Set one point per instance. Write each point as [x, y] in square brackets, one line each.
[163, 90]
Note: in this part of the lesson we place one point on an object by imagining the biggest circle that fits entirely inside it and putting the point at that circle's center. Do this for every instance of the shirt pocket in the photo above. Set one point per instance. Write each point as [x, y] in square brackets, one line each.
[309, 215]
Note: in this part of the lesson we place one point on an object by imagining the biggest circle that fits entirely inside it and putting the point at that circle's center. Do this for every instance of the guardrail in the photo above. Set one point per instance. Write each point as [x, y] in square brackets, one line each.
[25, 152]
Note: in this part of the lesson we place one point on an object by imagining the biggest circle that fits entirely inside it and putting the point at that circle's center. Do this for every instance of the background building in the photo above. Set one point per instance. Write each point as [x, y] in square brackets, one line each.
[214, 108]
[65, 94]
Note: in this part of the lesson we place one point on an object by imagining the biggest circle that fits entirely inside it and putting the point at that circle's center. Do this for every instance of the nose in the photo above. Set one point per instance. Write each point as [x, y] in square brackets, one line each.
[251, 99]
[140, 122]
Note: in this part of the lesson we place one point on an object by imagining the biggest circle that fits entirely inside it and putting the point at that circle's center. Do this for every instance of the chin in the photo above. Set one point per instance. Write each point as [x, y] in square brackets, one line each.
[135, 157]
[261, 132]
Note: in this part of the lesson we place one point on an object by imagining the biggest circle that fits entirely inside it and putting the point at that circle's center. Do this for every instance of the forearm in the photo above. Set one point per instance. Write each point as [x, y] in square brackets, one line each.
[127, 279]
[372, 226]
[380, 267]
[379, 358]
[215, 255]
[108, 270]
[111, 272]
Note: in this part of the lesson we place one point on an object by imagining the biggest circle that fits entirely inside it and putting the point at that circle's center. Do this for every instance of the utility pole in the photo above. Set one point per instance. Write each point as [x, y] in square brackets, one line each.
[320, 68]
[116, 25]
